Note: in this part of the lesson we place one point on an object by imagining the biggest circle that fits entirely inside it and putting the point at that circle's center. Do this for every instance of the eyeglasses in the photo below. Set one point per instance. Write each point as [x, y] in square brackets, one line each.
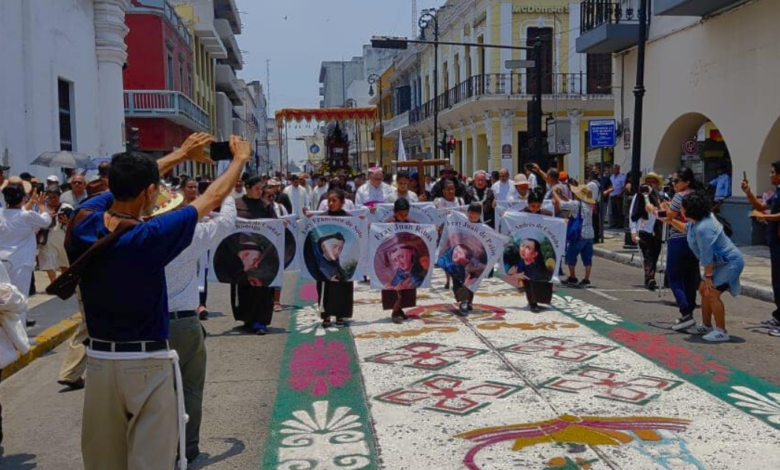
[77, 182]
[676, 180]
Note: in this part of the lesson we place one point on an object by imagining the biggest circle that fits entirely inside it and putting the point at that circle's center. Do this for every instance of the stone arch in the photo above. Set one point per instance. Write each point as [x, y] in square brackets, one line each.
[667, 157]
[770, 152]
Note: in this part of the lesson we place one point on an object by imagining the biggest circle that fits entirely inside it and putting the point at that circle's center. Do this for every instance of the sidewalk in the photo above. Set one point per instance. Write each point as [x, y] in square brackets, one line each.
[756, 278]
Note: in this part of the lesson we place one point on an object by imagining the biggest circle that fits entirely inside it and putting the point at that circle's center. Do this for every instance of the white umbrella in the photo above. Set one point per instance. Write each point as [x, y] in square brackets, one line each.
[64, 159]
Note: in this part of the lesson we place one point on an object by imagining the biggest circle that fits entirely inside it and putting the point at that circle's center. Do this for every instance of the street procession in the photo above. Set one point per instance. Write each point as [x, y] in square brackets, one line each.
[488, 235]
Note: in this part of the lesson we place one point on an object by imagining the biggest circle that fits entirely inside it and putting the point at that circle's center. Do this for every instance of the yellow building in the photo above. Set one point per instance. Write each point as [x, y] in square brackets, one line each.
[484, 104]
[384, 152]
[207, 48]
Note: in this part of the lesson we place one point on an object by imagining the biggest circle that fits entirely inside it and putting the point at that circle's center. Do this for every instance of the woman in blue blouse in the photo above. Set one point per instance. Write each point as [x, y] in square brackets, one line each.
[722, 261]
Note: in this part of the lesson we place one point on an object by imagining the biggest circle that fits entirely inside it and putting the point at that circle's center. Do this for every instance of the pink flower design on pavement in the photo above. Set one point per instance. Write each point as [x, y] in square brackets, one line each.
[319, 366]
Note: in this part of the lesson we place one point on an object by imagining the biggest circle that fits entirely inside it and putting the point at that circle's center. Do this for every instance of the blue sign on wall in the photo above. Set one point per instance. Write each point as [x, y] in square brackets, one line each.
[602, 133]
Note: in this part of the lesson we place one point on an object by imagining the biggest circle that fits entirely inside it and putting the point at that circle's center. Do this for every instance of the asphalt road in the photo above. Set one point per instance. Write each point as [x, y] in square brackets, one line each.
[619, 289]
[42, 420]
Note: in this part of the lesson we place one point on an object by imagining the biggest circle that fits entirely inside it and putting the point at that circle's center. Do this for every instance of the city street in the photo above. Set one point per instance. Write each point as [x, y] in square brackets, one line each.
[598, 379]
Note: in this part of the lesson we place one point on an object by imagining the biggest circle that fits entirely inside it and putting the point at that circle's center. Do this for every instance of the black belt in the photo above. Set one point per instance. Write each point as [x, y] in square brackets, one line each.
[140, 346]
[182, 314]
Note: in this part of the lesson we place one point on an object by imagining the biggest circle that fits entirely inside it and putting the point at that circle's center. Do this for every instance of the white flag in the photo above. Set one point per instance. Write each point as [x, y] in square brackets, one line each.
[401, 149]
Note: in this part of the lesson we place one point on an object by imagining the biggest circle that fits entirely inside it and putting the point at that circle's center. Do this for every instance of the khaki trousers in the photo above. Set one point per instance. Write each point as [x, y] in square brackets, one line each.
[188, 340]
[130, 419]
[74, 363]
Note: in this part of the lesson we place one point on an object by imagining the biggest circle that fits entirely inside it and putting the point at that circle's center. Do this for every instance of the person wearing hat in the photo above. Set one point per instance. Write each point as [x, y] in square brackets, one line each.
[579, 244]
[132, 417]
[19, 222]
[52, 180]
[522, 188]
[646, 229]
[448, 173]
[279, 195]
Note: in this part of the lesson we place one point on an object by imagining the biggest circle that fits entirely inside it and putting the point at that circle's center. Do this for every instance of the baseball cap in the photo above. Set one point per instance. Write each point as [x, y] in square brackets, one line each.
[53, 178]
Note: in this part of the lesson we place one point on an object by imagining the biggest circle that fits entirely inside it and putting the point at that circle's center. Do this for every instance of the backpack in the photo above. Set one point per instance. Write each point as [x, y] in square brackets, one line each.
[574, 228]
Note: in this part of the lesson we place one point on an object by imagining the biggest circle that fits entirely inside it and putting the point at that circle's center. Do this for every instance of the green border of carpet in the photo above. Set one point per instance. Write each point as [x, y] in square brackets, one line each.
[704, 371]
[351, 394]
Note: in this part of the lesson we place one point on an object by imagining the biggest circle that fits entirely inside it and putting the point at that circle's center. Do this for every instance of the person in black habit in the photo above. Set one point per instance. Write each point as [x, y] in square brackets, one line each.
[253, 304]
[336, 293]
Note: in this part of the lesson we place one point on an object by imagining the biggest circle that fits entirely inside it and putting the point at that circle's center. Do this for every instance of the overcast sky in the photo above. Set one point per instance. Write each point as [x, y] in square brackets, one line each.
[297, 35]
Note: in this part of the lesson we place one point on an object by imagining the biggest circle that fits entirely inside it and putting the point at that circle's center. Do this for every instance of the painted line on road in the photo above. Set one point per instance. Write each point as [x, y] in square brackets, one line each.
[46, 340]
[602, 294]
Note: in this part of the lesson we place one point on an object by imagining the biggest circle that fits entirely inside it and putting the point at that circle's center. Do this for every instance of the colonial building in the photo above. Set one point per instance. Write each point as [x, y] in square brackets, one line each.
[61, 84]
[482, 103]
[711, 101]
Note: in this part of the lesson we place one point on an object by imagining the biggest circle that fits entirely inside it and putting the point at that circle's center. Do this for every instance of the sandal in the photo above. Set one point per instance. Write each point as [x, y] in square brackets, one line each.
[277, 307]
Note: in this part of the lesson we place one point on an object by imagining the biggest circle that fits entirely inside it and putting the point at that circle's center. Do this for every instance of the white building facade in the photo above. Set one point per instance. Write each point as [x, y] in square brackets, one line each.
[61, 85]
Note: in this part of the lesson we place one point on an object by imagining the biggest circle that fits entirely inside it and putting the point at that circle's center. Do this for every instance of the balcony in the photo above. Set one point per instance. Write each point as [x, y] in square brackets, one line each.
[227, 9]
[501, 87]
[172, 105]
[693, 7]
[396, 123]
[235, 59]
[227, 82]
[606, 27]
[164, 9]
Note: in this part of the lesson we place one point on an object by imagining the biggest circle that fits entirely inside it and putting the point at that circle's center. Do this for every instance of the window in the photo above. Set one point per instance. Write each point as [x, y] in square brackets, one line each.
[599, 73]
[543, 35]
[169, 73]
[65, 98]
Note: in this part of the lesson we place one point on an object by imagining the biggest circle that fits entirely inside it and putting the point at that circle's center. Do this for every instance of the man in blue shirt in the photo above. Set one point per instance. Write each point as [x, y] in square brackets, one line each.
[722, 185]
[131, 416]
[615, 194]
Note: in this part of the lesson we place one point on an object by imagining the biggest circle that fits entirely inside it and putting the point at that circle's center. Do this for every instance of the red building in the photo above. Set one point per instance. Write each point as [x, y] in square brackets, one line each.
[158, 77]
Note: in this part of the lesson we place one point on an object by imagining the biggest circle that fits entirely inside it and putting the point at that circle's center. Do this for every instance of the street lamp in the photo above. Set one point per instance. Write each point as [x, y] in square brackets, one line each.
[352, 103]
[372, 80]
[639, 95]
[425, 20]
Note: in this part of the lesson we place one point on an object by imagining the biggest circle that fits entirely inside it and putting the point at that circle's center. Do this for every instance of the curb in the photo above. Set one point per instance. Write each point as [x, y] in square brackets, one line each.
[47, 340]
[749, 289]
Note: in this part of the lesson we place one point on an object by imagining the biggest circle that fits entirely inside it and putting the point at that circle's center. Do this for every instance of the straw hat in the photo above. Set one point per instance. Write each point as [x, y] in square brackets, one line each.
[167, 201]
[16, 180]
[652, 175]
[521, 180]
[583, 193]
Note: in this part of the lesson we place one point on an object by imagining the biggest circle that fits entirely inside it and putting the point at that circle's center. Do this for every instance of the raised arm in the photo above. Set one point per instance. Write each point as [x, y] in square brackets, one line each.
[191, 149]
[223, 186]
[754, 201]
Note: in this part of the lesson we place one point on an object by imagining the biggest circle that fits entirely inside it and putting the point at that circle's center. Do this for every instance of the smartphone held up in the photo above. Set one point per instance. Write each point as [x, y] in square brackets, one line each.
[221, 151]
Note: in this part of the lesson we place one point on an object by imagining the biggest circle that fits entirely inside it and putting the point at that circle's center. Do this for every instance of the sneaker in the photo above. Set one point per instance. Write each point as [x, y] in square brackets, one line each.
[585, 283]
[403, 314]
[775, 332]
[683, 323]
[699, 329]
[471, 307]
[464, 307]
[771, 323]
[78, 384]
[652, 285]
[203, 315]
[31, 323]
[570, 281]
[716, 336]
[534, 308]
[397, 318]
[277, 307]
[261, 329]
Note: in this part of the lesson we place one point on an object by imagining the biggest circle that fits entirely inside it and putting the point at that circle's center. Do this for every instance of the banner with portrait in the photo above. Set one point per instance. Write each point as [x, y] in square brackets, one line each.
[403, 255]
[291, 259]
[444, 211]
[253, 255]
[419, 213]
[468, 251]
[517, 206]
[536, 245]
[331, 248]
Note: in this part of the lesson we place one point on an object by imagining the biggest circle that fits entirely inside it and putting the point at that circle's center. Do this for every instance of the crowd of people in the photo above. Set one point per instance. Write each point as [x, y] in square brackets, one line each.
[136, 224]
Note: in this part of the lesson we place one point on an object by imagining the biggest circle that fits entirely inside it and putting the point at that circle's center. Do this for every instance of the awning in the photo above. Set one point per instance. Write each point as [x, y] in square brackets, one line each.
[324, 114]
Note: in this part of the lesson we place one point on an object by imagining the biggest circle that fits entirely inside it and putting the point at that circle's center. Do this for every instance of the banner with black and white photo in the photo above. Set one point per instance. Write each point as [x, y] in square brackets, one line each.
[291, 258]
[331, 248]
[468, 251]
[536, 245]
[253, 255]
[403, 255]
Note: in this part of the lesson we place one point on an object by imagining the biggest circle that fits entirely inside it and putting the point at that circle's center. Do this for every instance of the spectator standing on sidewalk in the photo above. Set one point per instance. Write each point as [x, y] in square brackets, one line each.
[579, 244]
[723, 263]
[595, 189]
[615, 195]
[682, 266]
[772, 220]
[646, 230]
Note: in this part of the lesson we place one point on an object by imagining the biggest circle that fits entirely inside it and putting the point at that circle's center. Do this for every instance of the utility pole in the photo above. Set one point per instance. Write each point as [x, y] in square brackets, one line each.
[639, 96]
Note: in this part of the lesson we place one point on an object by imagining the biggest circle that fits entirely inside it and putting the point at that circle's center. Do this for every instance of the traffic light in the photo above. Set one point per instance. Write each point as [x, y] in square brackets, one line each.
[451, 146]
[133, 140]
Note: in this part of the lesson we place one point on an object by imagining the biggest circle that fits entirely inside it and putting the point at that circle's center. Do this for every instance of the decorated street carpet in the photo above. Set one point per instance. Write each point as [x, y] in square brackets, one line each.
[573, 387]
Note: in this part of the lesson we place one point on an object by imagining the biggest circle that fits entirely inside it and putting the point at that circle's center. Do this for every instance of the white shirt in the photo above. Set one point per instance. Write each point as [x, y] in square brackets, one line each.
[595, 190]
[17, 235]
[238, 194]
[441, 203]
[316, 194]
[515, 196]
[181, 274]
[369, 194]
[68, 197]
[532, 180]
[411, 196]
[299, 198]
[502, 190]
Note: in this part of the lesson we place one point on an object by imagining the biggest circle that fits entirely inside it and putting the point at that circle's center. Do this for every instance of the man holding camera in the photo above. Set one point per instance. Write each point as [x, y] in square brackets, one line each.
[132, 417]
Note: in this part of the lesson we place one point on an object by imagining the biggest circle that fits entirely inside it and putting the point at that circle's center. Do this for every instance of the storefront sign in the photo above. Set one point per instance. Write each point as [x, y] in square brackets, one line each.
[540, 9]
[601, 133]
